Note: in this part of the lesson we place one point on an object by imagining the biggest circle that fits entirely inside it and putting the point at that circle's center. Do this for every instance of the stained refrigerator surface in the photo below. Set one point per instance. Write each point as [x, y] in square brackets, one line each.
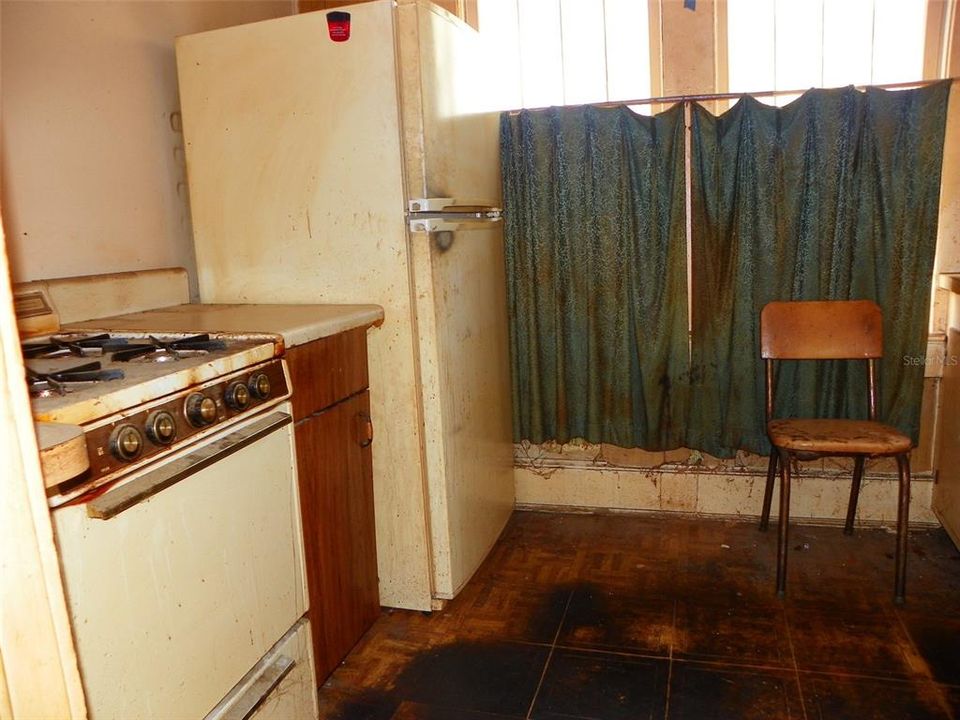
[301, 156]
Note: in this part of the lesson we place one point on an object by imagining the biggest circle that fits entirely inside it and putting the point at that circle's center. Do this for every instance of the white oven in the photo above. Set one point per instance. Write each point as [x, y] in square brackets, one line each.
[186, 584]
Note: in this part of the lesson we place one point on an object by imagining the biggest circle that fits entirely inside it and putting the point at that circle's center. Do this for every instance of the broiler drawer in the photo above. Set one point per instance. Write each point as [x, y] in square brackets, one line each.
[279, 687]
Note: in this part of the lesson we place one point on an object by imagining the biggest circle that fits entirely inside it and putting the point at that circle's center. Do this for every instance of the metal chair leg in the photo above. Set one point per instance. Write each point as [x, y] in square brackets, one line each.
[903, 523]
[784, 523]
[854, 494]
[768, 491]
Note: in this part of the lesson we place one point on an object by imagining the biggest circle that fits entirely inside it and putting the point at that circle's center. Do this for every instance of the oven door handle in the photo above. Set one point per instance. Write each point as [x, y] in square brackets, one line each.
[136, 491]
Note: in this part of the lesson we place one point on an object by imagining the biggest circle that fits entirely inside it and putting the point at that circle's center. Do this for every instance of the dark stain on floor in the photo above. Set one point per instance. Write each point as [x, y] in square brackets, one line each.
[610, 616]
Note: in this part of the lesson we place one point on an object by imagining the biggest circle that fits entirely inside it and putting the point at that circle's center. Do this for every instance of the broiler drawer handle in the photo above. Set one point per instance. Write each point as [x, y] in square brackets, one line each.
[136, 491]
[255, 691]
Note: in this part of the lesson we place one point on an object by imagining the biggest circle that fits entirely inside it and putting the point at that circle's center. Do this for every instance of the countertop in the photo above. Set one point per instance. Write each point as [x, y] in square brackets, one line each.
[297, 324]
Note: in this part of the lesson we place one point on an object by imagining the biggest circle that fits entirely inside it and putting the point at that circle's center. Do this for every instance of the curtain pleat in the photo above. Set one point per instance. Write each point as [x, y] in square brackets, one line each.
[834, 196]
[596, 275]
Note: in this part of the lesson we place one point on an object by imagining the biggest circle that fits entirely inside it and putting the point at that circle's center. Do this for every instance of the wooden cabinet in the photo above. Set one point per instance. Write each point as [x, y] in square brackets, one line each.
[331, 407]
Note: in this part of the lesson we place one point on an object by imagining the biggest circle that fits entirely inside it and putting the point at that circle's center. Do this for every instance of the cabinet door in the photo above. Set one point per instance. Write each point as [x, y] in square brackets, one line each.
[336, 498]
[327, 370]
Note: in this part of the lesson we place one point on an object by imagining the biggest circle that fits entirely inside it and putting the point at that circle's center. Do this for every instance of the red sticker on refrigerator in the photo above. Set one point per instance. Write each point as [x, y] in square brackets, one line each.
[338, 25]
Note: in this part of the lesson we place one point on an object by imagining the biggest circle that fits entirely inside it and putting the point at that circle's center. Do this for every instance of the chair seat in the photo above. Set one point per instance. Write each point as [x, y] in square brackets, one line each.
[829, 436]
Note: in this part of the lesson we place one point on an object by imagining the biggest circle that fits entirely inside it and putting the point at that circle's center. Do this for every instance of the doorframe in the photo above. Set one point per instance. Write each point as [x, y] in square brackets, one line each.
[39, 676]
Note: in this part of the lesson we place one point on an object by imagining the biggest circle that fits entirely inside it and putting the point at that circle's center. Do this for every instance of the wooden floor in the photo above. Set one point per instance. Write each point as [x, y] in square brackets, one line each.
[607, 617]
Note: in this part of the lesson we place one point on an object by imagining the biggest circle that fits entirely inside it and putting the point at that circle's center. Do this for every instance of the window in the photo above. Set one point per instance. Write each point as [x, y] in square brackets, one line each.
[571, 52]
[797, 44]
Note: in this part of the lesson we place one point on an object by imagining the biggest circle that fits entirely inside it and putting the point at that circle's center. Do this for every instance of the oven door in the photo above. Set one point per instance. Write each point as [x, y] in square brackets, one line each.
[180, 579]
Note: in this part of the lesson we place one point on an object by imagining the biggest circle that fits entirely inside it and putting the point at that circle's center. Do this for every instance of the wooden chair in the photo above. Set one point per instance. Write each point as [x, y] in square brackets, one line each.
[829, 330]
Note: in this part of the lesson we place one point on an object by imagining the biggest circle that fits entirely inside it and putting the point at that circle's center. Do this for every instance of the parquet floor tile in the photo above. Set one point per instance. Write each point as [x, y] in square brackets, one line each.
[670, 616]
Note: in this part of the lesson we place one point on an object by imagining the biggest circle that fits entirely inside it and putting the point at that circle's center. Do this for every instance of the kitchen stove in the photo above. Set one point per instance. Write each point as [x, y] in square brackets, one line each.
[182, 541]
[141, 397]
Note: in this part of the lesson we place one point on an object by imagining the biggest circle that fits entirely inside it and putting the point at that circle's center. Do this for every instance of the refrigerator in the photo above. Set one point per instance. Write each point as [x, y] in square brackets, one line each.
[324, 164]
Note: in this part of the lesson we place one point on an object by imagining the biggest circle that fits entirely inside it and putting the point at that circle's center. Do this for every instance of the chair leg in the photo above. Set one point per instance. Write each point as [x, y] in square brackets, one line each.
[784, 523]
[903, 522]
[854, 494]
[768, 490]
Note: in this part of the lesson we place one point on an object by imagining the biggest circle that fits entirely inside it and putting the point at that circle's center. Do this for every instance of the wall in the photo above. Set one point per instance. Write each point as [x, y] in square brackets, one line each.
[608, 477]
[92, 177]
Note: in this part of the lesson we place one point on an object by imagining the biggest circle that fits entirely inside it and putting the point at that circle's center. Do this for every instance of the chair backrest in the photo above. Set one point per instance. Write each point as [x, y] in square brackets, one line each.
[821, 330]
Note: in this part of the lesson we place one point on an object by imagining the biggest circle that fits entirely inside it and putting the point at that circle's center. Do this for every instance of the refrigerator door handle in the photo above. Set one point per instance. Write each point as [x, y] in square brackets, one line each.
[428, 205]
[432, 215]
[448, 222]
[445, 205]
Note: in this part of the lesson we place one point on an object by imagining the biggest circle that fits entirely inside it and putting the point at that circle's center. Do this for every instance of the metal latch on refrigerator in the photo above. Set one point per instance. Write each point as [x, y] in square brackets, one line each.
[444, 215]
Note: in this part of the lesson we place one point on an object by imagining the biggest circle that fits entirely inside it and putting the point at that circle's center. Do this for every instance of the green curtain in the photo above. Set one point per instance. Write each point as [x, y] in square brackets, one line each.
[834, 196]
[595, 253]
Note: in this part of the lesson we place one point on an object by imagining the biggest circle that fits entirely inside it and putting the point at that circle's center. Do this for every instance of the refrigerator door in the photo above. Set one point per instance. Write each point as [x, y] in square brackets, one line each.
[451, 149]
[296, 188]
[462, 318]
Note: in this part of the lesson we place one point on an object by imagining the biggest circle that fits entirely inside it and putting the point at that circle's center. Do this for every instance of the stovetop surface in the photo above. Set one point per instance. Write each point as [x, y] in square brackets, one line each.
[143, 380]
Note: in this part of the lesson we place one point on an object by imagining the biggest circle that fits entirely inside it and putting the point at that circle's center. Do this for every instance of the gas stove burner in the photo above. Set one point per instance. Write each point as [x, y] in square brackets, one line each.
[63, 381]
[160, 351]
[80, 345]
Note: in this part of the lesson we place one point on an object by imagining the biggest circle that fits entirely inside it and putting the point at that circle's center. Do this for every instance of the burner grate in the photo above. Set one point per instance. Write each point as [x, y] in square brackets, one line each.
[63, 381]
[77, 345]
[162, 351]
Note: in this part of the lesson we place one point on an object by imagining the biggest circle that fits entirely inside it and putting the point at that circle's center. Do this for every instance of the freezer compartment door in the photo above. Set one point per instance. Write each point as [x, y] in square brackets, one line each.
[450, 107]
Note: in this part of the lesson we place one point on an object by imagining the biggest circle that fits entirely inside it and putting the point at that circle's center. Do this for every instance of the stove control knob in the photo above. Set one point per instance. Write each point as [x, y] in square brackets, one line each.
[161, 427]
[259, 386]
[126, 442]
[201, 409]
[237, 395]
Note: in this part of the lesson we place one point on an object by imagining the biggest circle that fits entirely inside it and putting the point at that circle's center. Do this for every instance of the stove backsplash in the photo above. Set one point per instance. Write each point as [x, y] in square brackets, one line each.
[43, 305]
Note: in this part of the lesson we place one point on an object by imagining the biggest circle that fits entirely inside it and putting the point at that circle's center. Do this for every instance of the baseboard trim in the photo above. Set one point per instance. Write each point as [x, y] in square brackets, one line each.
[817, 495]
[743, 518]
